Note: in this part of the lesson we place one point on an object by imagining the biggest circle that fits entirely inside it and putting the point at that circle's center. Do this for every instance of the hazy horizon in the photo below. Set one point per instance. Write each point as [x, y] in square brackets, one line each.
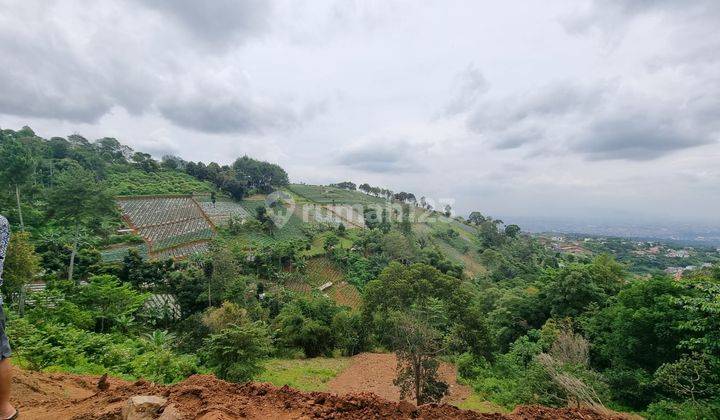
[580, 110]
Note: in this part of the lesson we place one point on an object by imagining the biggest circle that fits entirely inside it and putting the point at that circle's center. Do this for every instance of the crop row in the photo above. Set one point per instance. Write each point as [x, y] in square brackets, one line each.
[151, 211]
[119, 253]
[345, 294]
[331, 195]
[182, 251]
[321, 270]
[222, 211]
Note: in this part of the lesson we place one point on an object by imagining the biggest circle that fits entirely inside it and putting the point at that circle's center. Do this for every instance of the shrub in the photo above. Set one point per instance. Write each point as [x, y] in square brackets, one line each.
[236, 353]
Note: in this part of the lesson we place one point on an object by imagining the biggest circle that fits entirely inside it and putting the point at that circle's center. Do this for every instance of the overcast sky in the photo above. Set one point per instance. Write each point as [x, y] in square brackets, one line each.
[599, 110]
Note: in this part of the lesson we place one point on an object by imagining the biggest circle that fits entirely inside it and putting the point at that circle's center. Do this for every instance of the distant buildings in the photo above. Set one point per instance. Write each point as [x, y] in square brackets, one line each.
[678, 253]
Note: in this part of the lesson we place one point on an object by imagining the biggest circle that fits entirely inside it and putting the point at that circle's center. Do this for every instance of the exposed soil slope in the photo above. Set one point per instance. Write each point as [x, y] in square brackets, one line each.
[64, 396]
[375, 372]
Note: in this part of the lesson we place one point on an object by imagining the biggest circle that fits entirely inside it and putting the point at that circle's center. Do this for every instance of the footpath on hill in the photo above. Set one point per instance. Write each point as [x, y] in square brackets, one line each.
[65, 396]
[375, 372]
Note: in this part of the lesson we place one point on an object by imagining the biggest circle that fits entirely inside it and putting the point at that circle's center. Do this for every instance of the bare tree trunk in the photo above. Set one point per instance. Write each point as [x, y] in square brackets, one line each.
[72, 255]
[17, 197]
[21, 303]
[418, 376]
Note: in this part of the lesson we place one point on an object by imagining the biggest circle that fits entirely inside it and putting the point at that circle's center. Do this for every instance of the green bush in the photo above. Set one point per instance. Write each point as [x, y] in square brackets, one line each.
[237, 352]
[687, 410]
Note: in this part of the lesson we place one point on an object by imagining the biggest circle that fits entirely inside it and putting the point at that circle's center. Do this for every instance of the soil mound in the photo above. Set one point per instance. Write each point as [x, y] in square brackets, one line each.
[64, 396]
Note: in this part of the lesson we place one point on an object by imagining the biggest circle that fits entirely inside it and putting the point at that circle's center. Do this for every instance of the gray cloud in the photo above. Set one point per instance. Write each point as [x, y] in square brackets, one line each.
[59, 71]
[382, 157]
[637, 137]
[514, 139]
[42, 76]
[233, 115]
[468, 86]
[546, 103]
[217, 22]
[601, 121]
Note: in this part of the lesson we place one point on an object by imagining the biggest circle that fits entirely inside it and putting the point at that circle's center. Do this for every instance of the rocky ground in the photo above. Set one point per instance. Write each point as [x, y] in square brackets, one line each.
[65, 396]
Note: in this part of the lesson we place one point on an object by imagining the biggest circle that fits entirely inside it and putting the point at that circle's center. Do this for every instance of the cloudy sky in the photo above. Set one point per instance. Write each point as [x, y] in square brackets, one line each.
[587, 109]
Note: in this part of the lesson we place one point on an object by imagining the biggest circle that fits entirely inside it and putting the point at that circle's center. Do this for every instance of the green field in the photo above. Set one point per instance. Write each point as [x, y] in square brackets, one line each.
[318, 243]
[292, 229]
[331, 195]
[137, 182]
[303, 374]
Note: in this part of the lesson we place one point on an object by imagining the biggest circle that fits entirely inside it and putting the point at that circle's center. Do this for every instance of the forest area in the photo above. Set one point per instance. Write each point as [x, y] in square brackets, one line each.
[523, 324]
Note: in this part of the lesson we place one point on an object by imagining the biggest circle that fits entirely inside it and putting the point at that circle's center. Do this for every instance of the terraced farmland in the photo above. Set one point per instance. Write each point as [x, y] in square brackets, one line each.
[118, 253]
[350, 216]
[172, 226]
[321, 270]
[345, 294]
[331, 195]
[222, 211]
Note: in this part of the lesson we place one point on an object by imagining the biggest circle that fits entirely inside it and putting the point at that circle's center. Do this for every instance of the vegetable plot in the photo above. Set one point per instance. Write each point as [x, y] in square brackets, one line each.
[172, 226]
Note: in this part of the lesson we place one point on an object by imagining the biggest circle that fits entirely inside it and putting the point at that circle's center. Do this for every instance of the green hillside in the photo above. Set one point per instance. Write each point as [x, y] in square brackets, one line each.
[127, 181]
[321, 194]
[225, 286]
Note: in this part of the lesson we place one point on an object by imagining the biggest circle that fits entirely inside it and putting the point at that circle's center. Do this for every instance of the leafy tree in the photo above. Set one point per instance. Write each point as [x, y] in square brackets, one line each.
[259, 175]
[307, 323]
[346, 185]
[108, 299]
[405, 225]
[570, 290]
[417, 346]
[217, 319]
[145, 162]
[267, 222]
[636, 334]
[236, 353]
[22, 264]
[398, 247]
[78, 198]
[476, 217]
[691, 377]
[703, 324]
[16, 167]
[331, 241]
[350, 332]
[512, 230]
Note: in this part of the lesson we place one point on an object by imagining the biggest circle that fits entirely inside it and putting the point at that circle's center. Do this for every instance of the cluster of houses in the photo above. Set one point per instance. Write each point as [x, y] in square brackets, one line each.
[677, 272]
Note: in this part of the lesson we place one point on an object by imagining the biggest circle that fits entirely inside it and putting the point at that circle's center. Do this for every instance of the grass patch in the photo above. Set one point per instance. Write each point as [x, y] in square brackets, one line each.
[331, 195]
[303, 374]
[137, 182]
[476, 403]
[317, 247]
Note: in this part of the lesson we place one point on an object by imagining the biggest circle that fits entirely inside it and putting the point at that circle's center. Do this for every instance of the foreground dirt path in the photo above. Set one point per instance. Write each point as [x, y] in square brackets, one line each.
[375, 372]
[65, 396]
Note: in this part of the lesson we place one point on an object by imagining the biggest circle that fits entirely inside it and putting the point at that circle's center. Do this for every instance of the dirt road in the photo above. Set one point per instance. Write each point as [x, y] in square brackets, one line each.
[375, 372]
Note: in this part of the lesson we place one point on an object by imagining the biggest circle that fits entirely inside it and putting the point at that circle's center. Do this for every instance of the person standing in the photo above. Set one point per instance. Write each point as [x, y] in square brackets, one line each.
[7, 411]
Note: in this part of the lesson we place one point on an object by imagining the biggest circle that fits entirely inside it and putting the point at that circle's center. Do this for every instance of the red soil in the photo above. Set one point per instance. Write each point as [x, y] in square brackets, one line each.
[65, 396]
[375, 372]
